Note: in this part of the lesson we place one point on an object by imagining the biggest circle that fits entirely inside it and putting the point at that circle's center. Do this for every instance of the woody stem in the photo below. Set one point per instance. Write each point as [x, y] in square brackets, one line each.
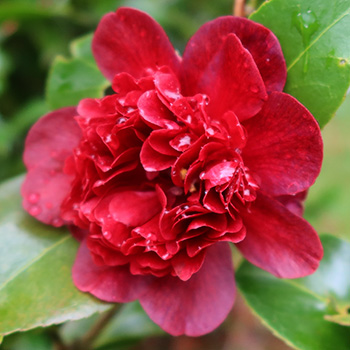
[239, 8]
[86, 342]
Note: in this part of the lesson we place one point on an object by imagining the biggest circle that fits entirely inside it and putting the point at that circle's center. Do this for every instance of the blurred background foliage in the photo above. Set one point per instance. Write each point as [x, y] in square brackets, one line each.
[32, 33]
[328, 202]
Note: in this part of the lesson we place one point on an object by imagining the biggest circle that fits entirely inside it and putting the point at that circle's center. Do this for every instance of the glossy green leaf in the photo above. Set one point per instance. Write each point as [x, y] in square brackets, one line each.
[71, 80]
[36, 287]
[314, 36]
[331, 279]
[298, 310]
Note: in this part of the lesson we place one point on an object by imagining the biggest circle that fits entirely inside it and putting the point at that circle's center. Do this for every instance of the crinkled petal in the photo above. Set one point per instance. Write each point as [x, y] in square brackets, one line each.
[279, 241]
[132, 208]
[154, 112]
[131, 41]
[232, 81]
[112, 284]
[284, 146]
[258, 40]
[154, 161]
[49, 143]
[199, 305]
[185, 266]
[161, 141]
[168, 87]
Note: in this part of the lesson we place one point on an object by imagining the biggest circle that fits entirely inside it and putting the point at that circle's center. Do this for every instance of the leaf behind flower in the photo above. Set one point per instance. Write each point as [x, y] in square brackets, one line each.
[299, 311]
[314, 39]
[73, 79]
[36, 287]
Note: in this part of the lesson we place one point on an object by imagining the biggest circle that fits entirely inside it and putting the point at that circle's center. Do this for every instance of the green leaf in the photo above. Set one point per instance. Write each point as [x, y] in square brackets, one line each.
[36, 287]
[343, 319]
[71, 80]
[129, 324]
[33, 340]
[28, 10]
[81, 48]
[5, 68]
[13, 129]
[315, 42]
[330, 280]
[298, 311]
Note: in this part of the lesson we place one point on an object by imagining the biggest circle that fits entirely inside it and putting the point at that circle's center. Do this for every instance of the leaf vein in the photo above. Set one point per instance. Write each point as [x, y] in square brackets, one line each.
[307, 290]
[317, 39]
[31, 262]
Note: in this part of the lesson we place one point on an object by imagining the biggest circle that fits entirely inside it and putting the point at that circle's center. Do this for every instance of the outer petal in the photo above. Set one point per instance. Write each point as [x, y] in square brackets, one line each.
[130, 41]
[50, 141]
[232, 81]
[199, 305]
[294, 203]
[258, 40]
[279, 241]
[284, 146]
[112, 284]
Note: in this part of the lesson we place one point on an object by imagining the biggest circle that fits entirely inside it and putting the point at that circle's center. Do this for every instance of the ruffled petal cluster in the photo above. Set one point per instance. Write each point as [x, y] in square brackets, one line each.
[185, 156]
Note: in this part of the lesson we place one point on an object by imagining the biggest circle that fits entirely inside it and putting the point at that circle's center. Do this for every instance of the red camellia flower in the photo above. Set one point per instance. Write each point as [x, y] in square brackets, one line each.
[187, 155]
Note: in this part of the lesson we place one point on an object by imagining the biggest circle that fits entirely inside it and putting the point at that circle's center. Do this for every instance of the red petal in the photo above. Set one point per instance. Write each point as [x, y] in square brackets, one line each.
[260, 42]
[133, 208]
[112, 284]
[232, 81]
[91, 108]
[153, 111]
[284, 146]
[212, 201]
[150, 230]
[294, 203]
[49, 142]
[185, 266]
[78, 233]
[152, 160]
[130, 41]
[199, 305]
[215, 221]
[219, 174]
[168, 86]
[162, 141]
[103, 253]
[279, 241]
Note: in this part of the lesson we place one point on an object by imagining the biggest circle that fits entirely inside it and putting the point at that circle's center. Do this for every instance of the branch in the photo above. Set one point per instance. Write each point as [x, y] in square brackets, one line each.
[86, 342]
[239, 8]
